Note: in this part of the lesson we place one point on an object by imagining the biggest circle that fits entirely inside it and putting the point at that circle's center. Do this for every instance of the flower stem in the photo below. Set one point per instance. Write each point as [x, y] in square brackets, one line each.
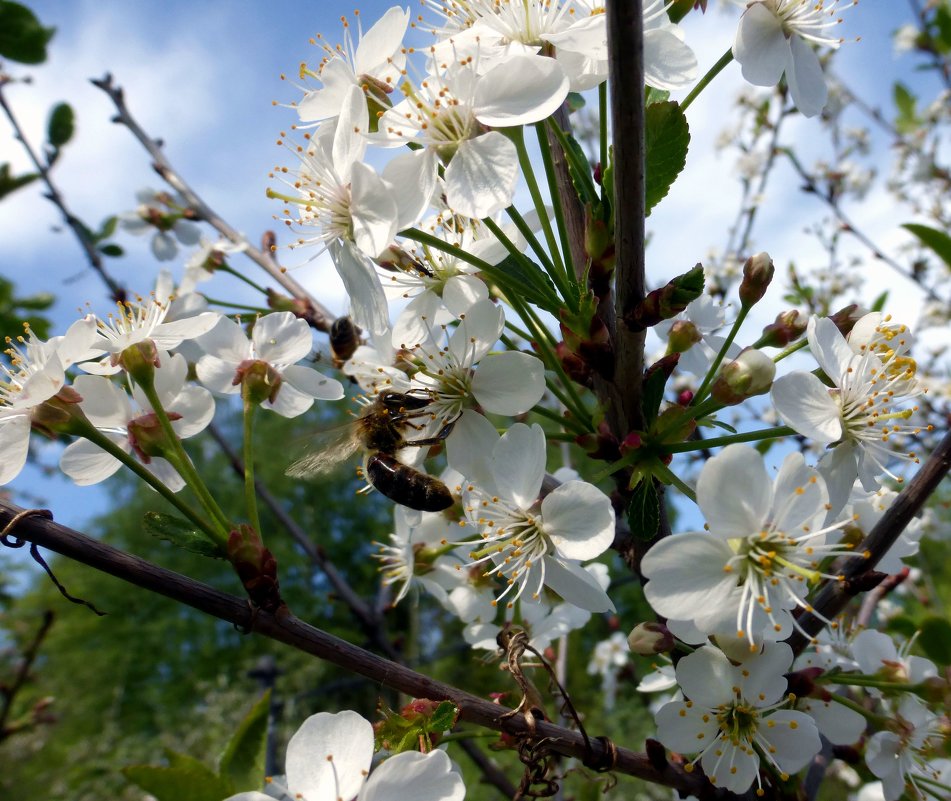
[716, 442]
[665, 474]
[790, 350]
[855, 707]
[705, 81]
[603, 129]
[525, 164]
[530, 237]
[183, 464]
[711, 373]
[556, 203]
[96, 437]
[242, 277]
[250, 495]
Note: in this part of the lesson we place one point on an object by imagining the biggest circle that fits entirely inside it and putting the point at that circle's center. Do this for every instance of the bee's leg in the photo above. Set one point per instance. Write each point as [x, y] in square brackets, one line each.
[444, 432]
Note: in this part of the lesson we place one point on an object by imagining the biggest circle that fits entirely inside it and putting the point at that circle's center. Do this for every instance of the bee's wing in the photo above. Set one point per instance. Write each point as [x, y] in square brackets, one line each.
[324, 450]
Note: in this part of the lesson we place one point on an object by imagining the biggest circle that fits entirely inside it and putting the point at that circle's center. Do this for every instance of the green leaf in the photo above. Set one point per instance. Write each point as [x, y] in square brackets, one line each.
[643, 514]
[22, 38]
[444, 718]
[935, 639]
[186, 779]
[243, 759]
[653, 95]
[905, 102]
[667, 137]
[107, 229]
[575, 101]
[61, 125]
[579, 169]
[713, 422]
[942, 29]
[180, 533]
[932, 238]
[653, 394]
[38, 302]
[111, 250]
[530, 282]
[879, 303]
[10, 183]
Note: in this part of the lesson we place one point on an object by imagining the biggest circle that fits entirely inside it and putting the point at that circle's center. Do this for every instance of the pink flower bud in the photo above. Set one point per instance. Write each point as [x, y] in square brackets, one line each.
[750, 374]
[648, 639]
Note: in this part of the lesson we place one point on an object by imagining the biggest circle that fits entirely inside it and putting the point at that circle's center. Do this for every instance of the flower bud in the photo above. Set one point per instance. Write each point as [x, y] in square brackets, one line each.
[256, 567]
[682, 337]
[751, 373]
[757, 274]
[846, 318]
[666, 302]
[259, 381]
[147, 437]
[787, 327]
[648, 639]
[59, 414]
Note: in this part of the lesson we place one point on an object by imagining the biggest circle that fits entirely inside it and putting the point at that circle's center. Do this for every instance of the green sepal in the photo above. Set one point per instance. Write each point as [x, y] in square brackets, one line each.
[243, 759]
[180, 533]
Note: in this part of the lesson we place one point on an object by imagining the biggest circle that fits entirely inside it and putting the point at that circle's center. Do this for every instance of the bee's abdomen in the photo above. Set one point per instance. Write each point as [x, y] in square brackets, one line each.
[406, 485]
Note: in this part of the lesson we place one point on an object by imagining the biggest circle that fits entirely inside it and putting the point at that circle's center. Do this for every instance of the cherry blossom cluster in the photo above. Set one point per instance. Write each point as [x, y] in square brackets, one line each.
[470, 331]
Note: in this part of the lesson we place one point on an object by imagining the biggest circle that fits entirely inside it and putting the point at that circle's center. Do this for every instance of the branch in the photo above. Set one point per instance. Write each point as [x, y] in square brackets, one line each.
[367, 617]
[93, 256]
[322, 317]
[289, 630]
[9, 691]
[490, 771]
[625, 22]
[834, 595]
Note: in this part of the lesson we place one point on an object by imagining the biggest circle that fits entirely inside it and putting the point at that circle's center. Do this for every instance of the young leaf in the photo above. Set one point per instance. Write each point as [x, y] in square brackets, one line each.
[180, 533]
[935, 639]
[112, 250]
[22, 38]
[243, 759]
[530, 282]
[932, 238]
[667, 137]
[905, 102]
[61, 126]
[643, 514]
[10, 183]
[186, 780]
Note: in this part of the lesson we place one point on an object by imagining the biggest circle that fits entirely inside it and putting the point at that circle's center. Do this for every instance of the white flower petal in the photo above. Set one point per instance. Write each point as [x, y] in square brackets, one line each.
[104, 403]
[509, 383]
[14, 445]
[347, 738]
[578, 519]
[481, 178]
[576, 585]
[804, 404]
[761, 46]
[734, 492]
[313, 383]
[794, 736]
[518, 463]
[807, 84]
[217, 375]
[422, 777]
[706, 677]
[373, 211]
[281, 338]
[522, 90]
[368, 304]
[88, 464]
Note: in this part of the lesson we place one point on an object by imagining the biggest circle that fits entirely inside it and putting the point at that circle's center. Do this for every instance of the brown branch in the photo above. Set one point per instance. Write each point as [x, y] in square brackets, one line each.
[322, 316]
[366, 617]
[289, 630]
[834, 595]
[9, 691]
[93, 256]
[625, 23]
[490, 771]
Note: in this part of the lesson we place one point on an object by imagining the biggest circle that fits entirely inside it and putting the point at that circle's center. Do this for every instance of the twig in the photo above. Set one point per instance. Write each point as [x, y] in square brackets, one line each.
[322, 317]
[875, 595]
[834, 595]
[9, 691]
[367, 617]
[289, 630]
[849, 226]
[490, 771]
[93, 256]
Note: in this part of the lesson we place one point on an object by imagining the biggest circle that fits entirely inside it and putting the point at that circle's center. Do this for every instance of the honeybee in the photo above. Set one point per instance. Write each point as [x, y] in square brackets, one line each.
[344, 339]
[379, 430]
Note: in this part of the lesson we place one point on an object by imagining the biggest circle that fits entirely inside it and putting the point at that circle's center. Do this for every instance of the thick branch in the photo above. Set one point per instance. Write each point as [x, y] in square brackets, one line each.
[291, 631]
[625, 22]
[322, 316]
[834, 596]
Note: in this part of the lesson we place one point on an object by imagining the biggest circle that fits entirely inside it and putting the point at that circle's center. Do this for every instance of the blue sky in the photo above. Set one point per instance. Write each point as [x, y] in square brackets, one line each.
[203, 75]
